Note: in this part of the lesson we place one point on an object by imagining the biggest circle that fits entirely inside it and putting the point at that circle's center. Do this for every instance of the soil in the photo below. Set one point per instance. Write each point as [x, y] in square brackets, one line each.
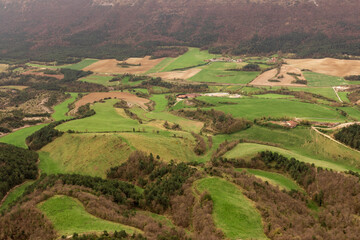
[97, 96]
[329, 66]
[177, 74]
[110, 66]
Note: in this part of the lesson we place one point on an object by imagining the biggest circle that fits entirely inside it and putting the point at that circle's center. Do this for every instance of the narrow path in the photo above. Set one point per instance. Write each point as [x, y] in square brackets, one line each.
[332, 139]
[334, 88]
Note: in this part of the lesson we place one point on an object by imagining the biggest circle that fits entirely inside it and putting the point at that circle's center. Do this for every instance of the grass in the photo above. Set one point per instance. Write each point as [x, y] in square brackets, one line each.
[344, 96]
[160, 102]
[90, 154]
[106, 119]
[273, 96]
[274, 178]
[102, 80]
[77, 66]
[61, 109]
[251, 108]
[216, 72]
[324, 91]
[14, 195]
[161, 65]
[191, 58]
[322, 80]
[18, 138]
[233, 213]
[247, 150]
[68, 216]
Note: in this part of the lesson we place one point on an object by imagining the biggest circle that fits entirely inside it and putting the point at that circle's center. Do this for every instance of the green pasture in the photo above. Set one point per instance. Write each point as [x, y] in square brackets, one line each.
[322, 80]
[61, 109]
[233, 213]
[161, 65]
[217, 72]
[273, 96]
[76, 66]
[89, 153]
[18, 138]
[68, 216]
[252, 108]
[106, 119]
[102, 80]
[160, 102]
[274, 178]
[14, 195]
[327, 92]
[191, 58]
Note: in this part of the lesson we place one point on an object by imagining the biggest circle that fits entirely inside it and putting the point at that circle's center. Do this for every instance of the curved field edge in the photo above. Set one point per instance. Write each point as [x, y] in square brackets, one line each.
[233, 213]
[68, 215]
[247, 150]
[13, 195]
[273, 178]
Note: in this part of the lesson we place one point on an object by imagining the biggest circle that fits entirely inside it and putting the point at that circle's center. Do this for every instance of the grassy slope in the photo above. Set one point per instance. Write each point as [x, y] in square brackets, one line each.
[274, 178]
[192, 57]
[233, 213]
[256, 108]
[322, 80]
[18, 138]
[161, 65]
[14, 194]
[90, 154]
[107, 118]
[69, 215]
[61, 109]
[216, 72]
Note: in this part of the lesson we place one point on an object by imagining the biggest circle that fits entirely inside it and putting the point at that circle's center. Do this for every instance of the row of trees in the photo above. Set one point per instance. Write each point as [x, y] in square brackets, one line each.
[350, 136]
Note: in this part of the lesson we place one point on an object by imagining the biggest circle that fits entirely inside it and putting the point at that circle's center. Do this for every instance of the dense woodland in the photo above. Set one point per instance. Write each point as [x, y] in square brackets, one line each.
[350, 136]
[17, 165]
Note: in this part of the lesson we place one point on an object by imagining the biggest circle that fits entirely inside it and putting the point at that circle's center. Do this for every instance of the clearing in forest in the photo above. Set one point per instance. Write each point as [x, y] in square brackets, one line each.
[131, 65]
[329, 66]
[97, 96]
[68, 215]
[233, 213]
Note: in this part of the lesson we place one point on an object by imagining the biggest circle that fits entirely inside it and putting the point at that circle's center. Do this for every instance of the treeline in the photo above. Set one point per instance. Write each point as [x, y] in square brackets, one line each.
[251, 67]
[71, 75]
[349, 136]
[130, 77]
[17, 165]
[216, 120]
[175, 87]
[45, 135]
[121, 235]
[352, 78]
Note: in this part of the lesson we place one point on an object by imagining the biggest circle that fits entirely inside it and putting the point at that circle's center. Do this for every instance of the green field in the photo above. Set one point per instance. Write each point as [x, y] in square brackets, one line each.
[14, 195]
[90, 154]
[191, 58]
[68, 216]
[216, 72]
[273, 96]
[233, 213]
[274, 178]
[324, 91]
[76, 66]
[246, 150]
[61, 109]
[106, 119]
[161, 65]
[322, 80]
[18, 138]
[102, 80]
[257, 108]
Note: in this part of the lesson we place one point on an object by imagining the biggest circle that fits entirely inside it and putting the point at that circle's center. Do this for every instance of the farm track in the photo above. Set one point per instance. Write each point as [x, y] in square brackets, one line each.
[337, 94]
[334, 140]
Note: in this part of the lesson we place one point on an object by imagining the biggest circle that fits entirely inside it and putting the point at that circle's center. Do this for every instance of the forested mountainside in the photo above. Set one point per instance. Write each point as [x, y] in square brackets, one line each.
[38, 29]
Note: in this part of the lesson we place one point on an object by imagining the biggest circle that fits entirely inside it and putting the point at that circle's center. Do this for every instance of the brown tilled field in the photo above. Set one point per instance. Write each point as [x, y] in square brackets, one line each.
[111, 66]
[329, 66]
[31, 72]
[97, 96]
[177, 74]
[283, 78]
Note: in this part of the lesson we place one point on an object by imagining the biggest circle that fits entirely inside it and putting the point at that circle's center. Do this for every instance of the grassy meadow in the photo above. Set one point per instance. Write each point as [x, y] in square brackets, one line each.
[61, 109]
[191, 58]
[275, 179]
[322, 80]
[68, 216]
[14, 195]
[233, 213]
[18, 138]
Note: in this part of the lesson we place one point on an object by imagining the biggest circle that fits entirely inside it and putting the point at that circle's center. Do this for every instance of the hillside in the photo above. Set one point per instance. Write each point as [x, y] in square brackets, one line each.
[326, 27]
